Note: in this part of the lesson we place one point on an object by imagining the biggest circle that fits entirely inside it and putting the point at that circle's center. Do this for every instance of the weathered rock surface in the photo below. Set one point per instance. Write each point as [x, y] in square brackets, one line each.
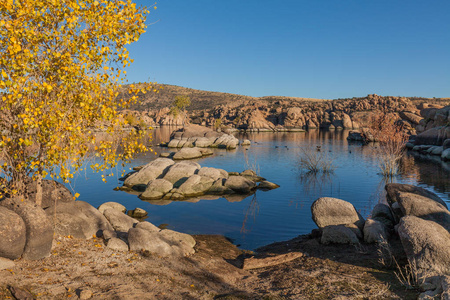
[202, 137]
[6, 263]
[240, 184]
[137, 213]
[39, 231]
[392, 190]
[52, 192]
[425, 208]
[12, 234]
[156, 189]
[267, 185]
[113, 205]
[119, 221]
[187, 153]
[338, 234]
[180, 172]
[78, 219]
[195, 185]
[427, 243]
[375, 231]
[117, 244]
[187, 179]
[328, 211]
[151, 171]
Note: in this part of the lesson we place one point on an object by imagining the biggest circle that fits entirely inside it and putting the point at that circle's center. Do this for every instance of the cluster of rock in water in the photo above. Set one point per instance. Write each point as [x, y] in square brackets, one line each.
[417, 216]
[166, 179]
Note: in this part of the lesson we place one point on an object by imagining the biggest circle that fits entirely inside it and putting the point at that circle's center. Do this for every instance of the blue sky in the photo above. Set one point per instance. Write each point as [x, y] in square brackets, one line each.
[317, 48]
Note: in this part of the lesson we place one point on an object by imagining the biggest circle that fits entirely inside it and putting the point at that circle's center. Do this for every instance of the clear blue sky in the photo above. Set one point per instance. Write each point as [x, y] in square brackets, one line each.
[316, 48]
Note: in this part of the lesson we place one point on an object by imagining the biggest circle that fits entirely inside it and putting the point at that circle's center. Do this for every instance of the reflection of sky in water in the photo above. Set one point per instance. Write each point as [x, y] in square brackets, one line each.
[279, 214]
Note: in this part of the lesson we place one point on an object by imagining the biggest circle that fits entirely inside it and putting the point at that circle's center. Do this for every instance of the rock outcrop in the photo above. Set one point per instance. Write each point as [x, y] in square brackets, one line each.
[185, 179]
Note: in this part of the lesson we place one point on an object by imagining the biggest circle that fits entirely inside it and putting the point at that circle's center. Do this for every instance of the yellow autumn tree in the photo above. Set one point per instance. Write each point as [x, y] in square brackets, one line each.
[62, 62]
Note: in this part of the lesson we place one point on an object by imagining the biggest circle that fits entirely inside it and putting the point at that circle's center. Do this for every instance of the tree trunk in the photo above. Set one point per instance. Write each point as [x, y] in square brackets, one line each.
[39, 190]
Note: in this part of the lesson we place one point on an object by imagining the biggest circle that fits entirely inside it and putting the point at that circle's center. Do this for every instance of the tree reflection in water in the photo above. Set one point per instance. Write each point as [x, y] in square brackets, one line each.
[314, 185]
[251, 211]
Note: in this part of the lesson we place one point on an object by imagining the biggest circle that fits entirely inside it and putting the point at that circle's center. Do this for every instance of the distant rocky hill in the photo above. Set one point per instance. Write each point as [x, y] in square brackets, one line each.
[275, 113]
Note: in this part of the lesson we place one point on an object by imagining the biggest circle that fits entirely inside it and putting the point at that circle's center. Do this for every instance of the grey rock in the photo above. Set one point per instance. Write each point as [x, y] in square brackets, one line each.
[113, 205]
[267, 185]
[426, 243]
[39, 231]
[338, 234]
[195, 185]
[140, 239]
[119, 221]
[332, 211]
[117, 244]
[6, 263]
[240, 184]
[446, 154]
[187, 153]
[424, 207]
[52, 192]
[219, 187]
[392, 190]
[12, 234]
[151, 171]
[179, 172]
[156, 189]
[437, 150]
[109, 234]
[137, 213]
[173, 143]
[183, 244]
[204, 142]
[382, 212]
[79, 219]
[147, 226]
[213, 173]
[374, 231]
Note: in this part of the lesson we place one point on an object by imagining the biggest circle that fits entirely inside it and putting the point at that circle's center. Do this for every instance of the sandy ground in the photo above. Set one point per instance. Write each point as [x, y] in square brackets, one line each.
[85, 269]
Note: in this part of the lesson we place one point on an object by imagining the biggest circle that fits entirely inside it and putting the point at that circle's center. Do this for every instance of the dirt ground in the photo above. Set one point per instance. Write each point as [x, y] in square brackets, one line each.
[85, 269]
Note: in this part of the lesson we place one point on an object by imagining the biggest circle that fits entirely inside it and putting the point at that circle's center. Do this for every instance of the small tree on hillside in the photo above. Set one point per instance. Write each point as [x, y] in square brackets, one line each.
[61, 63]
[179, 105]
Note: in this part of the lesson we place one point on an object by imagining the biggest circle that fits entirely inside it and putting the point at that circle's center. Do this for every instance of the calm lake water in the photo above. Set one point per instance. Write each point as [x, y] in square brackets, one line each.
[280, 214]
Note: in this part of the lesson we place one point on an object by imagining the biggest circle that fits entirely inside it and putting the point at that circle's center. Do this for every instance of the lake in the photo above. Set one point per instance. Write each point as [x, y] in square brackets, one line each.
[280, 214]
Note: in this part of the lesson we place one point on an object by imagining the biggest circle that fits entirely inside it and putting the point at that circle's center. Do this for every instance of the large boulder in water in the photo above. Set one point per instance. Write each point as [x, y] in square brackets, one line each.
[156, 189]
[328, 211]
[39, 231]
[195, 185]
[187, 153]
[240, 184]
[12, 234]
[150, 171]
[426, 243]
[179, 172]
